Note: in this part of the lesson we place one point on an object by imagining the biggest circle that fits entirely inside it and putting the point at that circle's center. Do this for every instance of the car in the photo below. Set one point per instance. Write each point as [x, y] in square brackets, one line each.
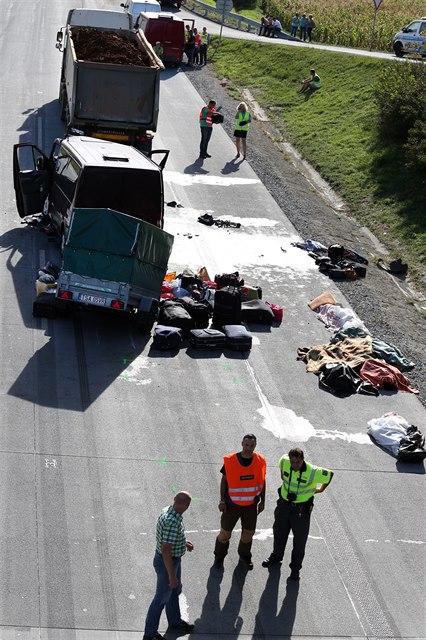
[83, 172]
[411, 39]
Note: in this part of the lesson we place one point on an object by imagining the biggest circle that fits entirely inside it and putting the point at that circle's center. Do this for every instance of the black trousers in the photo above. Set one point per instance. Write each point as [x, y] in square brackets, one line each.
[295, 518]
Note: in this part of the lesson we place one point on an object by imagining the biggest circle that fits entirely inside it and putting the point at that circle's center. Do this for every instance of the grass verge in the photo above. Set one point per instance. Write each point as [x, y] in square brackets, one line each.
[335, 129]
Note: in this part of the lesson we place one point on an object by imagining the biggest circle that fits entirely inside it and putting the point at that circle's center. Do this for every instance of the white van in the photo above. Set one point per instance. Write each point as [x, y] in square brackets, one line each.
[135, 7]
[411, 39]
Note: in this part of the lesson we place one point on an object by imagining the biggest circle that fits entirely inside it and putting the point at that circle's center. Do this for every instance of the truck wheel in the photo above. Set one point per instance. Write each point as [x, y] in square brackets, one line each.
[145, 321]
[399, 51]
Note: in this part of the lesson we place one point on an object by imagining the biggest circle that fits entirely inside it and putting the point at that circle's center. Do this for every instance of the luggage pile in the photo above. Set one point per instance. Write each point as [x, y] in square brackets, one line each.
[336, 261]
[210, 313]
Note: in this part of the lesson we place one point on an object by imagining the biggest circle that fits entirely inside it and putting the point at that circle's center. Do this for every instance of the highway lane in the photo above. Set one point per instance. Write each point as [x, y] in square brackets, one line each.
[98, 431]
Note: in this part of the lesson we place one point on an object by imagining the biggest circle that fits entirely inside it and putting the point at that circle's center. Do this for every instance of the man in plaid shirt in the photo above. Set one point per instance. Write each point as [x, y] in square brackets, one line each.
[171, 546]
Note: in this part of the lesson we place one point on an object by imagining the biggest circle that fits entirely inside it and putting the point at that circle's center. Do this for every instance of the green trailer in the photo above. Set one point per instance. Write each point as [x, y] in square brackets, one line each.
[116, 262]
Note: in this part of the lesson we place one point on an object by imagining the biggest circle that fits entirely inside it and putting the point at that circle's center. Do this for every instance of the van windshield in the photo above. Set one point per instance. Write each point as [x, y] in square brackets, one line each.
[133, 191]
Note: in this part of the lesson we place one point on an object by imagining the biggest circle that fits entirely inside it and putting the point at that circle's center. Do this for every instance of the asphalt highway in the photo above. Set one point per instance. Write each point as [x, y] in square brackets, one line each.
[98, 430]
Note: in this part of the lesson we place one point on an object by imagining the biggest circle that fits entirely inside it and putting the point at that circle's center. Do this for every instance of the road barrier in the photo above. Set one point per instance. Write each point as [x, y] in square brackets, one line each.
[232, 20]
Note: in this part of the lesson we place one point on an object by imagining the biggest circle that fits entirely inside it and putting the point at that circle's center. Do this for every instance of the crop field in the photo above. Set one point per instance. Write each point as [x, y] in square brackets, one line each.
[349, 22]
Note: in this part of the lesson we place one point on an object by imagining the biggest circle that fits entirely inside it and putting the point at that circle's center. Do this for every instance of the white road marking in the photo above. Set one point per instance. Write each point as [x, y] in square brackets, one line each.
[188, 179]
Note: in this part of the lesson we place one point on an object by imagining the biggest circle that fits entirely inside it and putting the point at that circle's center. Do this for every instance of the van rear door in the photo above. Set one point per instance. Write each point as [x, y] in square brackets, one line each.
[31, 178]
[174, 41]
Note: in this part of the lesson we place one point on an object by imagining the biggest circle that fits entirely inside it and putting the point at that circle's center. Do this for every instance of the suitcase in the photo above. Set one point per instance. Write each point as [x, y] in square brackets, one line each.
[207, 339]
[227, 306]
[198, 310]
[250, 293]
[167, 338]
[173, 314]
[237, 337]
[257, 311]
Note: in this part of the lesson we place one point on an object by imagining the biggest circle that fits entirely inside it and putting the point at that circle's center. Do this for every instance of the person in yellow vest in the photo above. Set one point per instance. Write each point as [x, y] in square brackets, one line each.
[242, 497]
[205, 41]
[301, 481]
[242, 123]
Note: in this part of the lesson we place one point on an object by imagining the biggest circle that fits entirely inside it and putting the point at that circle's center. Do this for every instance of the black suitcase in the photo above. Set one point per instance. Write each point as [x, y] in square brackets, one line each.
[198, 310]
[257, 311]
[207, 339]
[227, 306]
[237, 337]
[167, 338]
[173, 314]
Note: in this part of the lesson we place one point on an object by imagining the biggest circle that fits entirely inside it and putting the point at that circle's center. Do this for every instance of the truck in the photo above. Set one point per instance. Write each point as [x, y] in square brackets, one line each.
[114, 262]
[110, 78]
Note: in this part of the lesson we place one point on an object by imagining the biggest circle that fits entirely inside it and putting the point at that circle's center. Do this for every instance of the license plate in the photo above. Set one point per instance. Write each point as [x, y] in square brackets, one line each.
[85, 297]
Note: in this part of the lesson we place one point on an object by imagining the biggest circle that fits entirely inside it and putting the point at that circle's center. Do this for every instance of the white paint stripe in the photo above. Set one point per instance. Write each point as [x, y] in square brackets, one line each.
[187, 179]
[183, 604]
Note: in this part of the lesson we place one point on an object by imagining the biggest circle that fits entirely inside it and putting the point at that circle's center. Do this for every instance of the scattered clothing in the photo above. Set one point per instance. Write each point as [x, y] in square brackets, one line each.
[352, 351]
[341, 380]
[324, 298]
[385, 376]
[335, 317]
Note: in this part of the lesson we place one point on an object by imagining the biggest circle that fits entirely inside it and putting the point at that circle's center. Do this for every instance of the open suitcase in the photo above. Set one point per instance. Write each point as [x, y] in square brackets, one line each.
[237, 337]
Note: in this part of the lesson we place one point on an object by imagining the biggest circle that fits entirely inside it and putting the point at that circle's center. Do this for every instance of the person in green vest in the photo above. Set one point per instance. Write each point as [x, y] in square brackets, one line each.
[158, 49]
[242, 123]
[300, 482]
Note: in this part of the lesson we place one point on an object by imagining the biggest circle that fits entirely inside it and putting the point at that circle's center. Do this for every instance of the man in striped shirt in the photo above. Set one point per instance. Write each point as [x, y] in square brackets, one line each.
[170, 547]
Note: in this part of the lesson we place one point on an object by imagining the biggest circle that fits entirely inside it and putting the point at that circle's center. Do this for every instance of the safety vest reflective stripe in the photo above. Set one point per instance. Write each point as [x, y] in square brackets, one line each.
[239, 476]
[204, 37]
[257, 489]
[242, 116]
[305, 491]
[208, 118]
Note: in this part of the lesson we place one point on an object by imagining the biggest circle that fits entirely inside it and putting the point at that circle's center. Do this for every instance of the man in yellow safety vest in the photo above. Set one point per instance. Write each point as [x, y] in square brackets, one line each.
[294, 507]
[205, 41]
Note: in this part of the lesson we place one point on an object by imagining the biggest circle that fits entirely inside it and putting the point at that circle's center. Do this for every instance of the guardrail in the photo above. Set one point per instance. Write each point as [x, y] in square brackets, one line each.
[232, 20]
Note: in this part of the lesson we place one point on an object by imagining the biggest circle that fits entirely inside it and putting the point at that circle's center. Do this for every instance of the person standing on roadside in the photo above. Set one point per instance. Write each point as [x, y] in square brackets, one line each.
[310, 26]
[170, 547]
[242, 123]
[242, 497]
[197, 38]
[295, 23]
[189, 45]
[205, 41]
[300, 482]
[303, 27]
[206, 126]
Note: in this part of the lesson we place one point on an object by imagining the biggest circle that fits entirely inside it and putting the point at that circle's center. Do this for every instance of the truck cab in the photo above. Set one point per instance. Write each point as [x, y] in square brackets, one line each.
[83, 172]
[411, 40]
[135, 7]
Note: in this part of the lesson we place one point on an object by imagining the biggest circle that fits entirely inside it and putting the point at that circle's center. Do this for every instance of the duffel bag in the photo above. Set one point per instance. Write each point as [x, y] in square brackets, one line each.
[173, 314]
[257, 311]
[198, 310]
[335, 252]
[228, 280]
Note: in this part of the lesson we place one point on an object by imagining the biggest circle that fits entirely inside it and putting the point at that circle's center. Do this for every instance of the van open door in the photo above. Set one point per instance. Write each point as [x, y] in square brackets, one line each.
[31, 178]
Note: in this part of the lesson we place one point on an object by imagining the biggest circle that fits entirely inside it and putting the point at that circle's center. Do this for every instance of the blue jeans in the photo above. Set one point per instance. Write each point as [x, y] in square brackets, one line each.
[164, 597]
[206, 134]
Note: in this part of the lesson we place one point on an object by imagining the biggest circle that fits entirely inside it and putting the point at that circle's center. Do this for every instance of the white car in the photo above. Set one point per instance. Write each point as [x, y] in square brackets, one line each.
[411, 39]
[135, 7]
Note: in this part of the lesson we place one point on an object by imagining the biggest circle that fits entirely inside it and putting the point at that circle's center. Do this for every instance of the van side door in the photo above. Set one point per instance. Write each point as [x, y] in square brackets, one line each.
[31, 178]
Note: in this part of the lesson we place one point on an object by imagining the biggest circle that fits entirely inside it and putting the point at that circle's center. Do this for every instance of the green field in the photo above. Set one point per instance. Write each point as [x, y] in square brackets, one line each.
[336, 130]
[342, 22]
